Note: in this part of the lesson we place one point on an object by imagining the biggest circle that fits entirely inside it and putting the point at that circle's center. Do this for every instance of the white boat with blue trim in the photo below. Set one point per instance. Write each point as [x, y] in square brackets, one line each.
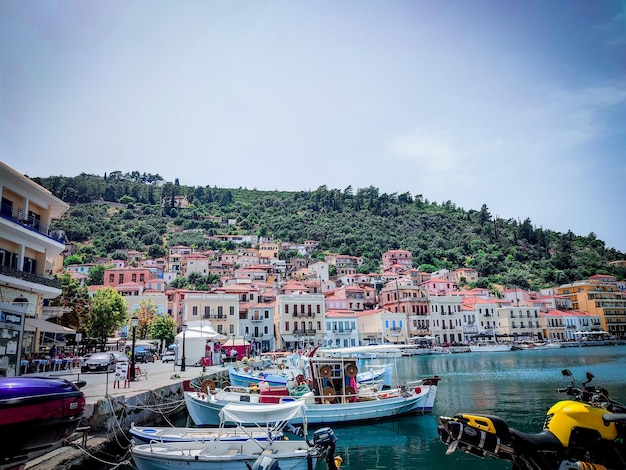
[330, 391]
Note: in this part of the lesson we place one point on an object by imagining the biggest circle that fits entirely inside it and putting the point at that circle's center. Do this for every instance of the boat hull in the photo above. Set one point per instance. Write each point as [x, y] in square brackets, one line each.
[204, 408]
[291, 455]
[37, 412]
[148, 434]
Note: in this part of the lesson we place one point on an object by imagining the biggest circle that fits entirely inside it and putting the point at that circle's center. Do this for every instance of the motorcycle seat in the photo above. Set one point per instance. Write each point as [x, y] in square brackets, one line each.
[544, 440]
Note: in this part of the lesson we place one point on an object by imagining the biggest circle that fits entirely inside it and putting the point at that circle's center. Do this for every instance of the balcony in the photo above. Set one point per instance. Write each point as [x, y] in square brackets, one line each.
[304, 332]
[30, 277]
[215, 316]
[21, 218]
[302, 314]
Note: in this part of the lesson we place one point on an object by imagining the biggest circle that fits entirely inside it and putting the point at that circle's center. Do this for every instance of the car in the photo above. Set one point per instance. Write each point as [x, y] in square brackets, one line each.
[120, 356]
[168, 356]
[97, 362]
[144, 356]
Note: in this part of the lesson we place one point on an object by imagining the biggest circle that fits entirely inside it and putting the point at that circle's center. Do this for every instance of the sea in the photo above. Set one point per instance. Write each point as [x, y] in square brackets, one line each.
[518, 386]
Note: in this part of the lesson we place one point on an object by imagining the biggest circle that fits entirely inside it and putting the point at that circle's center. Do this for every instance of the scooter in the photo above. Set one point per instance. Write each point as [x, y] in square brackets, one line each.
[585, 431]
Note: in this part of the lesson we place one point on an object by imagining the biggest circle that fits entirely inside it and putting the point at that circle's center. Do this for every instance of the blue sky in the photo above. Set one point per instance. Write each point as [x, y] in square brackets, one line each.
[519, 105]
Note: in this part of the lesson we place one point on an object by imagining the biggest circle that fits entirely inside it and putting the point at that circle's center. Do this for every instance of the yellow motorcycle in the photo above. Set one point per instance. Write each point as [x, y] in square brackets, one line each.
[586, 431]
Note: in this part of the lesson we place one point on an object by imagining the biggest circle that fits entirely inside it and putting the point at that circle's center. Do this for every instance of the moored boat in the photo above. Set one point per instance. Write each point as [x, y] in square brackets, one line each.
[36, 413]
[330, 391]
[147, 434]
[293, 454]
[490, 346]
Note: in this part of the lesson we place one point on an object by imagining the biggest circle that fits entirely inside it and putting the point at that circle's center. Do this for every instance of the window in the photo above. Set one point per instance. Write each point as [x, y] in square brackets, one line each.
[265, 330]
[121, 279]
[134, 278]
[220, 311]
[231, 310]
[111, 278]
[286, 326]
[286, 308]
[194, 310]
[386, 323]
[207, 311]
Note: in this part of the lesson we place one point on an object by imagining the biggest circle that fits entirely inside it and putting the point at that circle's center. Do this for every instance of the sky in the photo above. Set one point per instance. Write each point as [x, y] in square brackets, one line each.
[516, 104]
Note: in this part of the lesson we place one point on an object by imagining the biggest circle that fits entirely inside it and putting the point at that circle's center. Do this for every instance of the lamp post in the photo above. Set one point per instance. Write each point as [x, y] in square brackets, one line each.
[134, 321]
[182, 360]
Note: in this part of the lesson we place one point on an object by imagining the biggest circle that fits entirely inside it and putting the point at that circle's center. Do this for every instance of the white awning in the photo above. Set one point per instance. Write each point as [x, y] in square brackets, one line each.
[32, 324]
[244, 413]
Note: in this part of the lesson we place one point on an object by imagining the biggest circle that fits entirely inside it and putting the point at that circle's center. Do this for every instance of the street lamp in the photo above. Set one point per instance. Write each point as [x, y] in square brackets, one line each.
[182, 360]
[133, 322]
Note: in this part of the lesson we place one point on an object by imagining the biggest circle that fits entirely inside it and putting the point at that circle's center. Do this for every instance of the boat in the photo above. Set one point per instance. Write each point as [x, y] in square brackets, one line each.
[490, 346]
[35, 414]
[330, 390]
[147, 434]
[292, 454]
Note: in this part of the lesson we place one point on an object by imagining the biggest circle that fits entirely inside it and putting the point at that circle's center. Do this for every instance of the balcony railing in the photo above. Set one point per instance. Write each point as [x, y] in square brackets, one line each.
[30, 277]
[215, 316]
[20, 217]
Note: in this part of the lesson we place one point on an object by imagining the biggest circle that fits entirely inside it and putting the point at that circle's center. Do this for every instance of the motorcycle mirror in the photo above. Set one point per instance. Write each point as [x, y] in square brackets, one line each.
[590, 376]
[566, 372]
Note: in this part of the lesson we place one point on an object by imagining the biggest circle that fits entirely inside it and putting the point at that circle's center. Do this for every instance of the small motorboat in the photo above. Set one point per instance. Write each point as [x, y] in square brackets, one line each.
[36, 413]
[292, 454]
[148, 434]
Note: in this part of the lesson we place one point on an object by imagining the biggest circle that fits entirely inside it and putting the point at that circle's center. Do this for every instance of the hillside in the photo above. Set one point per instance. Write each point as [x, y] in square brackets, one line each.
[138, 212]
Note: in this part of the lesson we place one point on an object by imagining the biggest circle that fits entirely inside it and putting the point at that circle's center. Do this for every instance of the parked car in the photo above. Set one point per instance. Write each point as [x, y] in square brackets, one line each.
[120, 356]
[96, 362]
[144, 356]
[168, 356]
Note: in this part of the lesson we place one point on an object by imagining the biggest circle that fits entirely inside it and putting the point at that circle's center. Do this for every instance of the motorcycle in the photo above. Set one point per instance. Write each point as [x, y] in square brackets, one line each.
[586, 431]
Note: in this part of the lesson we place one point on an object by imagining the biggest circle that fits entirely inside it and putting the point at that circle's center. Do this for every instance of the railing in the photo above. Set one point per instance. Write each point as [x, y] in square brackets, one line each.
[30, 277]
[20, 217]
[215, 316]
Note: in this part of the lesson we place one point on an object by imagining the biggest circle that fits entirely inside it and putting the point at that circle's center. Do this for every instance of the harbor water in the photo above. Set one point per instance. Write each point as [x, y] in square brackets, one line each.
[518, 386]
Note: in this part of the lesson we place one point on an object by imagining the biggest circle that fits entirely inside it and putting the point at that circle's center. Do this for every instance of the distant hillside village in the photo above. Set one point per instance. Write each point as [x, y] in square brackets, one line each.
[284, 305]
[281, 304]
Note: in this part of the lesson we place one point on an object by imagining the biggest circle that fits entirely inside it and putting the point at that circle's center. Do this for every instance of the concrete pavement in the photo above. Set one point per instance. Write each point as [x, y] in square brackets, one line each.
[158, 375]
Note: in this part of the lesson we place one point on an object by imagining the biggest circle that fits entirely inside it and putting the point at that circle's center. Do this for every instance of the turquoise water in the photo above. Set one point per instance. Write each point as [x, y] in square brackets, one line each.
[518, 386]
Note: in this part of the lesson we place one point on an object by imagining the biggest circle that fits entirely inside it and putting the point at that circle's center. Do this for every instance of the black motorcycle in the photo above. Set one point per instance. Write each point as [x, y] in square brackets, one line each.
[585, 431]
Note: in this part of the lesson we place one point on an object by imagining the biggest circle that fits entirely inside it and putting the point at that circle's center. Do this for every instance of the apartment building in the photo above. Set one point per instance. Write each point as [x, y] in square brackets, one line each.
[299, 320]
[602, 297]
[27, 246]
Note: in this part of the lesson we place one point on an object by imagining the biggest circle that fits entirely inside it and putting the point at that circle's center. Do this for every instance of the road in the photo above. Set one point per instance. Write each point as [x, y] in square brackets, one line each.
[158, 374]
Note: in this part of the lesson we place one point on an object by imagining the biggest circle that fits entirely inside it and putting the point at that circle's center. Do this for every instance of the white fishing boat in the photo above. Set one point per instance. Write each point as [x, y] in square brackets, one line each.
[330, 390]
[293, 454]
[490, 346]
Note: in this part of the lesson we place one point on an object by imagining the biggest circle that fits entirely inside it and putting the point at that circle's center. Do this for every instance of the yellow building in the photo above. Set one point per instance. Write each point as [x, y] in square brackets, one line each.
[599, 296]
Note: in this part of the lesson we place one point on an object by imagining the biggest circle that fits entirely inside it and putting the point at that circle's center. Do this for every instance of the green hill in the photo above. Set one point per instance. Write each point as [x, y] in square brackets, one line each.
[136, 211]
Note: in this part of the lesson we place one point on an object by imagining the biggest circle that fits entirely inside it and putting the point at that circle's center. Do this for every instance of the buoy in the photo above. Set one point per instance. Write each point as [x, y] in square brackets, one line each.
[338, 461]
[418, 390]
[281, 366]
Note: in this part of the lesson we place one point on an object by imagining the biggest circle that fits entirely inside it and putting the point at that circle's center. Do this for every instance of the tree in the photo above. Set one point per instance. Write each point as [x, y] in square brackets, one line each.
[108, 314]
[96, 275]
[73, 259]
[75, 300]
[162, 328]
[146, 313]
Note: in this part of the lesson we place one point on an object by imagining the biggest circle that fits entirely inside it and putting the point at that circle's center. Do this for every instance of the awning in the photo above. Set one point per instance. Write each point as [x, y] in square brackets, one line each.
[32, 324]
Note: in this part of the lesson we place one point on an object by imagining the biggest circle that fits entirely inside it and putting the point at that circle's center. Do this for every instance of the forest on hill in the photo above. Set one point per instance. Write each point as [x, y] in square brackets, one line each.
[138, 211]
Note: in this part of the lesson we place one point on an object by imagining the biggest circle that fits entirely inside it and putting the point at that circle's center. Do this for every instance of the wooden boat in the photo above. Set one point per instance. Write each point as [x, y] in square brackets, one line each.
[147, 434]
[330, 391]
[35, 413]
[294, 454]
